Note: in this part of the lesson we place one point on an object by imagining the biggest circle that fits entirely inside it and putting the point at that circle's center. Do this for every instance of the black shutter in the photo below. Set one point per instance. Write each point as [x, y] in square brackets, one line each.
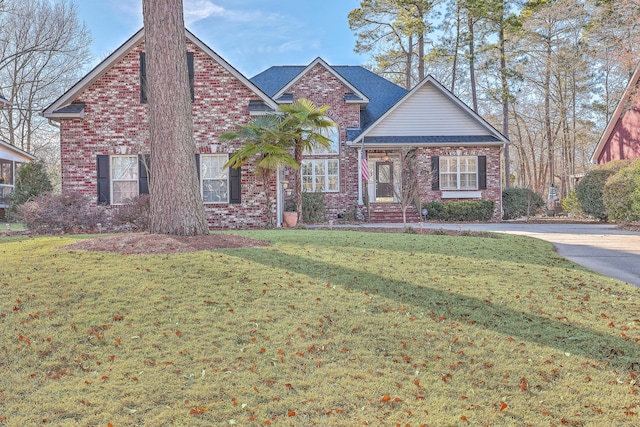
[235, 185]
[144, 169]
[198, 165]
[102, 168]
[435, 172]
[191, 74]
[482, 172]
[143, 78]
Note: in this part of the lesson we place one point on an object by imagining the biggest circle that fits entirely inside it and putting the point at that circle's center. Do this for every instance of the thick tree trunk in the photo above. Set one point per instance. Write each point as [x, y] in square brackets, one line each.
[176, 202]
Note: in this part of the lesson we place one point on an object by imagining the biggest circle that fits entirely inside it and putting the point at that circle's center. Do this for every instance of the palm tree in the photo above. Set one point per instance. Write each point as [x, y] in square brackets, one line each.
[304, 124]
[265, 140]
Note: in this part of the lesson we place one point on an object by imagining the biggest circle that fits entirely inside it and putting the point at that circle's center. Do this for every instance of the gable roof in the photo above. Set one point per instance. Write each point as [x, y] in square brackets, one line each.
[64, 107]
[380, 92]
[478, 131]
[11, 152]
[357, 98]
[617, 115]
[4, 101]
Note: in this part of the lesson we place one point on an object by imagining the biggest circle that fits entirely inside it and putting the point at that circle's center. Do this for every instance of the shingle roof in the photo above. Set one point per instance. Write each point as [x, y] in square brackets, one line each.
[381, 92]
[275, 78]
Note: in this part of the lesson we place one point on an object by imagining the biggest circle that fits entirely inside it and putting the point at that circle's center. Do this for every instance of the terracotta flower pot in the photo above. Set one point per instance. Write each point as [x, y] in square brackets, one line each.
[290, 219]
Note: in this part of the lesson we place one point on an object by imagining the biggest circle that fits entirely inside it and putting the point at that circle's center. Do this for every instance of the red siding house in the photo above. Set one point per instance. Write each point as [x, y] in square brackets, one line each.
[621, 138]
[104, 137]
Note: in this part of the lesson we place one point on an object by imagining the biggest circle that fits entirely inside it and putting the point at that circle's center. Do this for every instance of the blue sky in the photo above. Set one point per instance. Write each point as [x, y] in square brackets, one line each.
[251, 35]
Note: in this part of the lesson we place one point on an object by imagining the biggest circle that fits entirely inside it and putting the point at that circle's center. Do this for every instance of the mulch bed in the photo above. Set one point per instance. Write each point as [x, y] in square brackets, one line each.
[145, 243]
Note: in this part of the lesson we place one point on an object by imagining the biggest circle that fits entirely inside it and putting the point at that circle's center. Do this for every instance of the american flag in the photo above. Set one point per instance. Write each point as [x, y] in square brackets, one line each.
[365, 165]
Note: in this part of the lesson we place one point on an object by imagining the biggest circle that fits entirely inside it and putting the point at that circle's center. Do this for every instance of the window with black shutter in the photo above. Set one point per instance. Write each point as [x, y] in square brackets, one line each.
[435, 172]
[104, 187]
[235, 183]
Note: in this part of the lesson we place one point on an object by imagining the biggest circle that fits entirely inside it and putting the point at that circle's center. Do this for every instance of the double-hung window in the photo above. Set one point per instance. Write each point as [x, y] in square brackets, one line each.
[215, 178]
[124, 179]
[459, 173]
[320, 175]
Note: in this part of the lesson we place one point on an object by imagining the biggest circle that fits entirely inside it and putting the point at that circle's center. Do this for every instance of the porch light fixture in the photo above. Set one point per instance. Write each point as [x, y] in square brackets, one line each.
[385, 157]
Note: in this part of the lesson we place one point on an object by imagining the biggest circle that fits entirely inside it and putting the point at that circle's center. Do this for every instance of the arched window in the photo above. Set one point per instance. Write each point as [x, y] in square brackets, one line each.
[333, 133]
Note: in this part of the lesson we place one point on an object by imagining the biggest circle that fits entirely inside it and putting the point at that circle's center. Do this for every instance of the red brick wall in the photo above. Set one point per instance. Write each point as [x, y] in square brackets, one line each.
[323, 88]
[494, 186]
[115, 122]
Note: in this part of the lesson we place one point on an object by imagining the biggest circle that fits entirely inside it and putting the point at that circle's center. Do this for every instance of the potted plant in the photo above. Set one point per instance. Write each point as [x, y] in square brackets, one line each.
[290, 214]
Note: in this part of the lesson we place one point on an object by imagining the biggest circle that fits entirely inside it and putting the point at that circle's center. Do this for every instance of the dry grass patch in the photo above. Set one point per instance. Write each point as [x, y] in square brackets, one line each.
[321, 328]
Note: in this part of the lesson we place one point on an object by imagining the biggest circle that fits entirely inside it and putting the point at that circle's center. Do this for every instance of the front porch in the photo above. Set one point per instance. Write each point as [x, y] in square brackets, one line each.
[10, 159]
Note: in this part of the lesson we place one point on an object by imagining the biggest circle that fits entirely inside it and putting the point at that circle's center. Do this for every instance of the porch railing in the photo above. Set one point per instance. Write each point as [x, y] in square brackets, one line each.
[5, 191]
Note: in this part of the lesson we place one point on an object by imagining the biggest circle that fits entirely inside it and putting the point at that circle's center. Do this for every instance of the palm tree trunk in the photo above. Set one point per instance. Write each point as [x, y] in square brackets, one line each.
[297, 154]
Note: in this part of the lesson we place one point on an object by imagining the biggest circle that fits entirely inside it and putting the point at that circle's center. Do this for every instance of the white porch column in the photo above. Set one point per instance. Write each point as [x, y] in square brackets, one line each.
[360, 200]
[279, 197]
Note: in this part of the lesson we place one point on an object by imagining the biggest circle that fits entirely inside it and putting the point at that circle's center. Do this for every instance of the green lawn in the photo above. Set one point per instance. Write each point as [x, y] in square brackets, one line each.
[323, 328]
[13, 226]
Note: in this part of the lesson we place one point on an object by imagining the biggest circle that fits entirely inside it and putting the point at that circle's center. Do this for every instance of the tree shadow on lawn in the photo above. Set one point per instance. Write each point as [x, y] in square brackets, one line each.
[615, 351]
[501, 247]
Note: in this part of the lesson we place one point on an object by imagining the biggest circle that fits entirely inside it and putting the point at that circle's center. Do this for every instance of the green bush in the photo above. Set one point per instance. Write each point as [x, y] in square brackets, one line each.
[314, 208]
[571, 205]
[460, 211]
[519, 202]
[31, 181]
[589, 189]
[621, 195]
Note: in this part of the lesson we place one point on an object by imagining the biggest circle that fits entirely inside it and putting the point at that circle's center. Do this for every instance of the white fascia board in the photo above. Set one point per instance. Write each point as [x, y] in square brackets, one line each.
[70, 95]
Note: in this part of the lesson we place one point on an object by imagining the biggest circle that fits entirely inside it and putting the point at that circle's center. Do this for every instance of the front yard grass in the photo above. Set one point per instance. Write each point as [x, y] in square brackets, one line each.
[323, 328]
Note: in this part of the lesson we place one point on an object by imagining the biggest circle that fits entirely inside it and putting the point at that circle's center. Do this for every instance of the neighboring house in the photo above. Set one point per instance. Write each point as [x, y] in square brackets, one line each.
[621, 138]
[105, 147]
[458, 153]
[10, 158]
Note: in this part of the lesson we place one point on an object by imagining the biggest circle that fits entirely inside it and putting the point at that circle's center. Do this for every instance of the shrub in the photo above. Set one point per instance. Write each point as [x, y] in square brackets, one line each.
[589, 189]
[31, 181]
[134, 215]
[571, 205]
[66, 213]
[621, 195]
[314, 208]
[519, 202]
[461, 211]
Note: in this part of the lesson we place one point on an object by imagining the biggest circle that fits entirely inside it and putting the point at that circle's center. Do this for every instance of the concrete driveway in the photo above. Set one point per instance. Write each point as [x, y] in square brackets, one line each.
[600, 247]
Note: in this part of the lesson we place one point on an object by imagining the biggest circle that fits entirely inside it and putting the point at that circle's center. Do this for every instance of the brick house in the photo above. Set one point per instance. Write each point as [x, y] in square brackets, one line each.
[104, 137]
[621, 138]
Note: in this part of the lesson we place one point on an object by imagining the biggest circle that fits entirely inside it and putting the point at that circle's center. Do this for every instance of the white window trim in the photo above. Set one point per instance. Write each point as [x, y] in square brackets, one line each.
[458, 174]
[326, 176]
[202, 179]
[112, 180]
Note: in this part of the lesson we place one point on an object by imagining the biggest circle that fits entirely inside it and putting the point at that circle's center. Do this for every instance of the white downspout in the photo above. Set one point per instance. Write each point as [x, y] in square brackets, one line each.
[360, 200]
